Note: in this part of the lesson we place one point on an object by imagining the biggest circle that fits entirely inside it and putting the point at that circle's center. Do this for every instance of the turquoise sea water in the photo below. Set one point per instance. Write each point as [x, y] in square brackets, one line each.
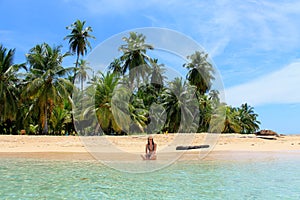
[248, 179]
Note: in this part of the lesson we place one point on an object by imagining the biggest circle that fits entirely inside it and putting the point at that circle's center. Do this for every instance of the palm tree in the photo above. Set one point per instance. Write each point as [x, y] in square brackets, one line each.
[231, 124]
[148, 94]
[134, 58]
[60, 118]
[9, 84]
[115, 66]
[81, 73]
[105, 87]
[225, 120]
[218, 118]
[205, 113]
[157, 77]
[46, 82]
[214, 97]
[181, 107]
[138, 114]
[200, 71]
[79, 39]
[248, 119]
[228, 119]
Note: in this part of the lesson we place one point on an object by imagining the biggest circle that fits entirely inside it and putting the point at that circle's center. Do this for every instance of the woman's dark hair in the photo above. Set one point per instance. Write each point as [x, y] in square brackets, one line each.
[152, 143]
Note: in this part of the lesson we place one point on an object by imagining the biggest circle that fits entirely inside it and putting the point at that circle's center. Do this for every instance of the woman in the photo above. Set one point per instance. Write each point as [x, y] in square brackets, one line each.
[150, 149]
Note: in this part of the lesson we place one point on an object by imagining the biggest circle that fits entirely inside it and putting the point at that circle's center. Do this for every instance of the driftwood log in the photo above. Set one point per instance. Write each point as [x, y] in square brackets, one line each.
[192, 147]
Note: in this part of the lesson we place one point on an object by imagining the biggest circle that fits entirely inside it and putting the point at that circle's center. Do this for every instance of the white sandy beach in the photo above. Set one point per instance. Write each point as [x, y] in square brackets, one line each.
[222, 146]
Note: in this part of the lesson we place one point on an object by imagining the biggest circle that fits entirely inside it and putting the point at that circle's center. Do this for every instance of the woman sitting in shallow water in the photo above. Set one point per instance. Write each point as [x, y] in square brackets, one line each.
[150, 149]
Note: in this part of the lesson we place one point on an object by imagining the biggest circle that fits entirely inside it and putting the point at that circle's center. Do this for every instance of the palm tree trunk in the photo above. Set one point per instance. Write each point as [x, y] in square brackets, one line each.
[73, 81]
[76, 66]
[45, 129]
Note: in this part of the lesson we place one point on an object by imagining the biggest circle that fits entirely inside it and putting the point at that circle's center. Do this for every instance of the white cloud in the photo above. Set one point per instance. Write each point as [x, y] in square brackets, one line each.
[262, 25]
[236, 32]
[251, 25]
[281, 86]
[218, 47]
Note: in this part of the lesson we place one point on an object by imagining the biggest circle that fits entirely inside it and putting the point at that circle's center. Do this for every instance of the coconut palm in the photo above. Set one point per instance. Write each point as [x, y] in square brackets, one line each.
[214, 97]
[79, 39]
[60, 118]
[149, 99]
[201, 72]
[138, 114]
[205, 112]
[181, 107]
[105, 87]
[9, 84]
[228, 119]
[46, 83]
[79, 42]
[248, 119]
[148, 94]
[134, 58]
[157, 77]
[115, 66]
[129, 111]
[232, 123]
[81, 73]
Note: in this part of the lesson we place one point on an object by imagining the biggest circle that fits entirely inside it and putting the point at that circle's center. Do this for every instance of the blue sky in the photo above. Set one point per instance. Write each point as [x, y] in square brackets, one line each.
[255, 45]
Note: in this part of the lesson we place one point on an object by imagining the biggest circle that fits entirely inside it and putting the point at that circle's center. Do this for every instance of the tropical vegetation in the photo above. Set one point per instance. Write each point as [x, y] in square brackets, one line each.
[133, 96]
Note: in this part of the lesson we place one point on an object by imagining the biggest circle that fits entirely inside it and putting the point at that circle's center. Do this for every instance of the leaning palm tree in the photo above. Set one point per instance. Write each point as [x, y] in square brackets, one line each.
[79, 39]
[46, 82]
[134, 58]
[8, 84]
[201, 72]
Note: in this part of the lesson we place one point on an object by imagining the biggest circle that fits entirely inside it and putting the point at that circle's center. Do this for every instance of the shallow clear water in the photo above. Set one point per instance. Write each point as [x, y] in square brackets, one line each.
[37, 179]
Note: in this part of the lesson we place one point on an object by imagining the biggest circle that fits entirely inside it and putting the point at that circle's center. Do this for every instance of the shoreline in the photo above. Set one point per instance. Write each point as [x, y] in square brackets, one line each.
[223, 147]
[187, 156]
